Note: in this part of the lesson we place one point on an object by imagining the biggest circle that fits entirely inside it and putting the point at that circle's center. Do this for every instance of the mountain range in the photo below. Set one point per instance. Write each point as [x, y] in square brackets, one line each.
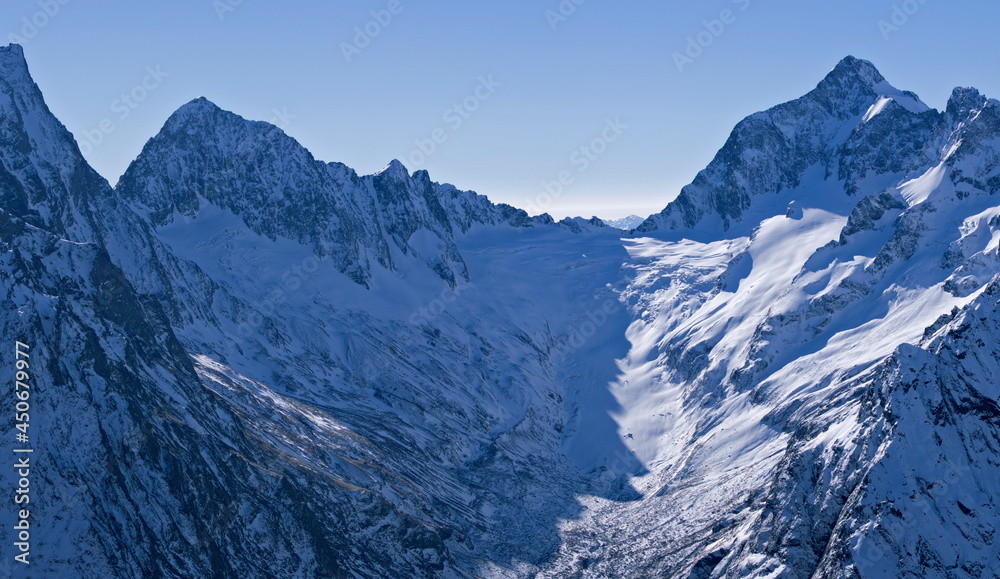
[246, 362]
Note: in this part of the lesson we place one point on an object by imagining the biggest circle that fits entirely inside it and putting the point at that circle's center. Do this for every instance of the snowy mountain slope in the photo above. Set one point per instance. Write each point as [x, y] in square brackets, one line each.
[747, 390]
[928, 502]
[293, 370]
[149, 465]
[378, 351]
[455, 385]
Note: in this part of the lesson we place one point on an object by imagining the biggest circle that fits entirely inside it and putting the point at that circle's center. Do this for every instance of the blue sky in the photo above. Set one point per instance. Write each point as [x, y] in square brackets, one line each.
[589, 91]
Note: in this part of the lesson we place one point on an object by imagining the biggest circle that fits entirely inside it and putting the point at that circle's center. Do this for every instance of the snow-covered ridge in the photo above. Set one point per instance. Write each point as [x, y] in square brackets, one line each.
[207, 156]
[253, 363]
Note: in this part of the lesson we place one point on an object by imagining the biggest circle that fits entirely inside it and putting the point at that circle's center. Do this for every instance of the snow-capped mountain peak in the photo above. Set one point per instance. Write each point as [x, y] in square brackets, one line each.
[854, 76]
[394, 170]
[625, 223]
[207, 157]
[856, 68]
[195, 104]
[853, 131]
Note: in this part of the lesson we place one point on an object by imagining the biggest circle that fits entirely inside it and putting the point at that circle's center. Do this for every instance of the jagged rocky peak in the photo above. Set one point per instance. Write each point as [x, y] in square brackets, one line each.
[45, 180]
[14, 74]
[202, 123]
[860, 69]
[204, 153]
[212, 121]
[27, 122]
[395, 170]
[199, 110]
[971, 123]
[12, 61]
[199, 104]
[851, 73]
[207, 157]
[854, 127]
[967, 102]
[967, 140]
[849, 88]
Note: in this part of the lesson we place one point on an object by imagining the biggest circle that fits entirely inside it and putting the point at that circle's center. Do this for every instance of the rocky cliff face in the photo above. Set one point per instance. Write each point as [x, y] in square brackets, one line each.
[854, 130]
[205, 156]
[45, 180]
